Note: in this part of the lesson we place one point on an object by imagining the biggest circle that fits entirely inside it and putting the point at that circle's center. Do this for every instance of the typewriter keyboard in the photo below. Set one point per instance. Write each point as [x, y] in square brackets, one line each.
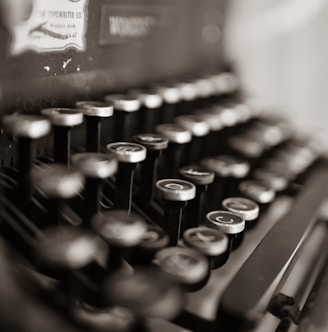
[180, 206]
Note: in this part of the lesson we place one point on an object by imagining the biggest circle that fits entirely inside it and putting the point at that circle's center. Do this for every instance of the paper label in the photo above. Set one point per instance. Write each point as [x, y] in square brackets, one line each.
[52, 26]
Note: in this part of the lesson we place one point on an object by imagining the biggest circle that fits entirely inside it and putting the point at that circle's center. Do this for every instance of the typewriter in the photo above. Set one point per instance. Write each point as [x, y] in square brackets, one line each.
[141, 189]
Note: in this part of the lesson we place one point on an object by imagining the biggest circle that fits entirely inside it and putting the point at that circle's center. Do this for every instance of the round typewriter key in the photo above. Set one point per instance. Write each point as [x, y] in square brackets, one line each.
[174, 193]
[274, 179]
[126, 109]
[63, 119]
[94, 112]
[96, 167]
[127, 152]
[58, 184]
[188, 95]
[149, 114]
[228, 171]
[26, 129]
[67, 247]
[244, 207]
[145, 293]
[210, 242]
[228, 223]
[185, 266]
[175, 153]
[153, 240]
[154, 144]
[174, 133]
[128, 155]
[258, 191]
[201, 178]
[120, 231]
[199, 129]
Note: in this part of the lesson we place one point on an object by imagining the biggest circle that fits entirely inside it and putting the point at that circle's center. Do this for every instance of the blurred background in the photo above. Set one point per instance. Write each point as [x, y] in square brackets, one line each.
[280, 51]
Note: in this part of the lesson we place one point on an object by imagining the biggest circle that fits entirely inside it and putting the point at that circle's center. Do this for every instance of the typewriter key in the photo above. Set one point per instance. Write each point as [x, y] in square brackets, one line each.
[201, 178]
[120, 231]
[210, 242]
[257, 191]
[199, 129]
[244, 207]
[96, 167]
[63, 119]
[154, 239]
[188, 95]
[228, 223]
[215, 124]
[276, 180]
[171, 97]
[149, 113]
[67, 248]
[174, 154]
[25, 129]
[154, 144]
[126, 109]
[228, 171]
[185, 266]
[128, 155]
[57, 184]
[146, 293]
[94, 112]
[175, 193]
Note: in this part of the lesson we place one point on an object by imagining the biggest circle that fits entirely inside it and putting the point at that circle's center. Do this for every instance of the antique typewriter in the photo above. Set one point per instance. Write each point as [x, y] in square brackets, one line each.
[141, 189]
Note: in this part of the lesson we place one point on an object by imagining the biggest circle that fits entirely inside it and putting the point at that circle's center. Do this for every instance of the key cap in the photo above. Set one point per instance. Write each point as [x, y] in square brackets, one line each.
[128, 155]
[26, 129]
[126, 109]
[149, 113]
[96, 167]
[154, 144]
[63, 120]
[174, 193]
[210, 242]
[188, 95]
[228, 170]
[228, 223]
[244, 207]
[146, 293]
[57, 184]
[94, 112]
[199, 130]
[174, 154]
[120, 231]
[201, 178]
[153, 240]
[185, 266]
[244, 304]
[257, 191]
[171, 97]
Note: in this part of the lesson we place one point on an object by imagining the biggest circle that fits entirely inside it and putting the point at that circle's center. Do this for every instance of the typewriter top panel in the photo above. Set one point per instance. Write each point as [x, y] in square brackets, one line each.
[52, 53]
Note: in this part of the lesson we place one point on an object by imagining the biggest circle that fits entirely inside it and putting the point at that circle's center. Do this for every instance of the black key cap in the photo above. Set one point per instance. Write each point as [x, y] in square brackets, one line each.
[96, 167]
[175, 193]
[128, 155]
[120, 231]
[63, 120]
[26, 129]
[242, 305]
[201, 178]
[185, 266]
[154, 144]
[210, 242]
[94, 112]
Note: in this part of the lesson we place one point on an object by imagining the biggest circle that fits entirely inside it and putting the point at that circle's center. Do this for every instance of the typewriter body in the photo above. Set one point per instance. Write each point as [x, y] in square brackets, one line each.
[141, 189]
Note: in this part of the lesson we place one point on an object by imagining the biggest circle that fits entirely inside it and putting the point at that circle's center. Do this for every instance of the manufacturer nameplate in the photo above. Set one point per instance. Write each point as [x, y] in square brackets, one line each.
[52, 26]
[125, 23]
